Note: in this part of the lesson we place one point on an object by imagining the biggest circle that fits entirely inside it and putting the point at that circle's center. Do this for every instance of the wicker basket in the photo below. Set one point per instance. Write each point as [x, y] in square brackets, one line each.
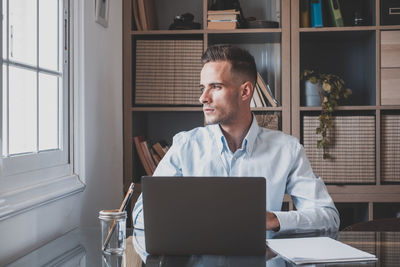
[270, 121]
[390, 249]
[168, 72]
[390, 148]
[352, 149]
[361, 240]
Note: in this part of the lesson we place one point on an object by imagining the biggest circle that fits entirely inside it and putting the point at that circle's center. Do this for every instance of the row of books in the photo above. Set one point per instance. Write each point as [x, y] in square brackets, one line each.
[149, 156]
[312, 13]
[222, 19]
[144, 14]
[262, 96]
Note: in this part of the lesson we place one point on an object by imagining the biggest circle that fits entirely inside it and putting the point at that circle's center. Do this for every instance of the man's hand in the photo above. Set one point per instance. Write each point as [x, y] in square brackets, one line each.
[272, 222]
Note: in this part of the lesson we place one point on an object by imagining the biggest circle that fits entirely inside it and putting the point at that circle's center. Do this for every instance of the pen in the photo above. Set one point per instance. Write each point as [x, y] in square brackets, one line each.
[122, 208]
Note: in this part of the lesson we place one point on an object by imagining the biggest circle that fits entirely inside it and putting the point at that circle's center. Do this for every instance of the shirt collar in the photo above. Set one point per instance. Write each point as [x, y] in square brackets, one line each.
[248, 141]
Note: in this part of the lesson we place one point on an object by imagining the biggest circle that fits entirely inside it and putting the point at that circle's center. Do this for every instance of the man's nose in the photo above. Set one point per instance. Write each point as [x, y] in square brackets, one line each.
[204, 97]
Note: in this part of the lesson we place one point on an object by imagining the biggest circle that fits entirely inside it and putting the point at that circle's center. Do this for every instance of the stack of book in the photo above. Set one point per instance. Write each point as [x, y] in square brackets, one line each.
[262, 96]
[222, 19]
[149, 156]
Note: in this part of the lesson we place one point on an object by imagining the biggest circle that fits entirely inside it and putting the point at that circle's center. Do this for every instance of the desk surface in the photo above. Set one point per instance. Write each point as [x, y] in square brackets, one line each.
[82, 247]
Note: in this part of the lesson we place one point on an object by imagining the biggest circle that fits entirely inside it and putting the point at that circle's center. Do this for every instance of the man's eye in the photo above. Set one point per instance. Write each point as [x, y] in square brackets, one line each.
[216, 87]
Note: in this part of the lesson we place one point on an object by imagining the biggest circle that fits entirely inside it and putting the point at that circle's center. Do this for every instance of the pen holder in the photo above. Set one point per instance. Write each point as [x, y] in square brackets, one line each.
[113, 231]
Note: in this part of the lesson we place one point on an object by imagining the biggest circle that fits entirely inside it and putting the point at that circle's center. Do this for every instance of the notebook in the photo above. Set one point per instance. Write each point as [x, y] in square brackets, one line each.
[312, 250]
[204, 215]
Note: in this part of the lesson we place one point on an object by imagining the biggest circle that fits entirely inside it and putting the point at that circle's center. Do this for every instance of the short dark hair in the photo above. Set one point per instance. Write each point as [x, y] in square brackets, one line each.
[241, 60]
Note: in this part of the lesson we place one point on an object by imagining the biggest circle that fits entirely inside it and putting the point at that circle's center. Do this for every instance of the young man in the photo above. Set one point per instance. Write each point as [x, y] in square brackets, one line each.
[232, 144]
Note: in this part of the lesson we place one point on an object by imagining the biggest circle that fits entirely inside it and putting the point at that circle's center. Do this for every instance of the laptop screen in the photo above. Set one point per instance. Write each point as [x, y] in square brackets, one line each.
[204, 215]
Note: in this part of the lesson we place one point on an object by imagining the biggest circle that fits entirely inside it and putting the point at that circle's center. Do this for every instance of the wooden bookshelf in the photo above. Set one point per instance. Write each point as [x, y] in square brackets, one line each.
[368, 93]
[356, 53]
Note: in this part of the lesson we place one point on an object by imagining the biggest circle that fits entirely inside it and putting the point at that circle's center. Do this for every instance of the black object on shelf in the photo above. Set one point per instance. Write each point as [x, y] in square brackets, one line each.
[184, 22]
[390, 12]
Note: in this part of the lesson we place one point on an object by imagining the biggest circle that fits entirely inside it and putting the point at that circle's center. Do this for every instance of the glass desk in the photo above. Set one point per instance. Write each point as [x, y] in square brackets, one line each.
[82, 247]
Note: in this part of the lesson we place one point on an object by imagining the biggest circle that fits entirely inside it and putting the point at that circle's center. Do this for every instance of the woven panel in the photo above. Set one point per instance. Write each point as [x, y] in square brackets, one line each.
[352, 149]
[390, 148]
[364, 241]
[390, 249]
[270, 121]
[168, 72]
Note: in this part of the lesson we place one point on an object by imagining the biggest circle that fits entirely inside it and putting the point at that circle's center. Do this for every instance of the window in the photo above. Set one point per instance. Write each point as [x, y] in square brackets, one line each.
[34, 132]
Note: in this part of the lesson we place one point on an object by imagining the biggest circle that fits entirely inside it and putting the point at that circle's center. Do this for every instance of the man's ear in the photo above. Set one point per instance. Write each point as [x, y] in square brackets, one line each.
[247, 90]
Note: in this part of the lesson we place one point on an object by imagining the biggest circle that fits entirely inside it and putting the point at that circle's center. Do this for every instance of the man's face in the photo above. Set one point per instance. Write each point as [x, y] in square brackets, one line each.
[220, 93]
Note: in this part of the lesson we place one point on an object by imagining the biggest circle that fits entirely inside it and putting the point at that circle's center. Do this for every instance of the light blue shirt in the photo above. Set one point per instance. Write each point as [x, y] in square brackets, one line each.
[278, 157]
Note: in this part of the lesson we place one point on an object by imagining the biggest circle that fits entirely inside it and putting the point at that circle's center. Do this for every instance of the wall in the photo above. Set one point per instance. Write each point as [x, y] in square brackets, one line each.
[103, 113]
[100, 144]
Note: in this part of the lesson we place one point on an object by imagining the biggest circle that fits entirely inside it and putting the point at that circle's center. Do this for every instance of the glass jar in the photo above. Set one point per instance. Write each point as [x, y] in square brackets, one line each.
[113, 231]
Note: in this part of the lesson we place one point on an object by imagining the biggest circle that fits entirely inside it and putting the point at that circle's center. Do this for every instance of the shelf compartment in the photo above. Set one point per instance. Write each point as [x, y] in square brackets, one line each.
[167, 10]
[160, 126]
[390, 148]
[167, 71]
[267, 51]
[352, 213]
[352, 149]
[262, 10]
[386, 210]
[350, 55]
[364, 8]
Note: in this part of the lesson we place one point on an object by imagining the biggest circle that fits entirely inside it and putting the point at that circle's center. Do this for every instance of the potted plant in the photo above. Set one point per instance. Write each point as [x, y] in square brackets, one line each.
[330, 89]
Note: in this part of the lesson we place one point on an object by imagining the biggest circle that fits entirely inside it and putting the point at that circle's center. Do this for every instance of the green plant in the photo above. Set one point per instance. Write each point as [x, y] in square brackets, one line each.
[331, 90]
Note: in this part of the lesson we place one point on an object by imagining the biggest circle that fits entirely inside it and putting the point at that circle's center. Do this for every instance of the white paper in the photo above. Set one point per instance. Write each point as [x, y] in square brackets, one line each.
[317, 250]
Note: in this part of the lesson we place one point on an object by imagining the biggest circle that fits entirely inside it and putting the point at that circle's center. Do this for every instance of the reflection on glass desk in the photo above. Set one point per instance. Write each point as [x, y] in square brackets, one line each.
[82, 247]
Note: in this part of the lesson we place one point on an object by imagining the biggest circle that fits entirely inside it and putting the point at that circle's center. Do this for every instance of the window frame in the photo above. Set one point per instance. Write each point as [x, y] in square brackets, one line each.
[32, 180]
[43, 159]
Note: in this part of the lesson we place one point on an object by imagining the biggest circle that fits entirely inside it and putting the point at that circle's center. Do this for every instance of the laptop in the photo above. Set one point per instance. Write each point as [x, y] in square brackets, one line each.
[204, 215]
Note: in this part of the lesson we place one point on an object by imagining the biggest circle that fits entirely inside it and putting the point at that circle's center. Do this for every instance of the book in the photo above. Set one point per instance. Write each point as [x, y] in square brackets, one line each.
[142, 14]
[316, 13]
[266, 91]
[310, 250]
[137, 140]
[136, 15]
[222, 17]
[159, 150]
[221, 20]
[336, 14]
[264, 103]
[225, 11]
[148, 156]
[155, 156]
[257, 98]
[252, 103]
[226, 25]
[151, 16]
[304, 13]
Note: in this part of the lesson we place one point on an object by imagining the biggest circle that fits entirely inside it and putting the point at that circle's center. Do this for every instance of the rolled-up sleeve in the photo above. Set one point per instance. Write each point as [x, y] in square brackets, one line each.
[315, 209]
